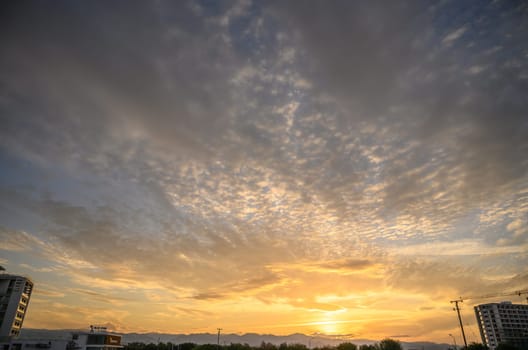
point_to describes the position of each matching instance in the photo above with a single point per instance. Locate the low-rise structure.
(98, 338)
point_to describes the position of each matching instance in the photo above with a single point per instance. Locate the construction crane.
(497, 295)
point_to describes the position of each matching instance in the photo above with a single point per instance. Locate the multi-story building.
(503, 323)
(15, 292)
(97, 339)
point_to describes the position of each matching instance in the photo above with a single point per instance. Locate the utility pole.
(460, 318)
(218, 339)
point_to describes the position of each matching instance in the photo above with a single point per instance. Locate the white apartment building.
(503, 323)
(15, 292)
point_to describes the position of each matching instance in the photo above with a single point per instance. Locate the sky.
(321, 167)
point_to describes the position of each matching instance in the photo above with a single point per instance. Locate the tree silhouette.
(390, 344)
(476, 346)
(347, 346)
(267, 346)
(506, 346)
(367, 347)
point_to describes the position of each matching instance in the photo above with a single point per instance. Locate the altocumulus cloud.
(295, 155)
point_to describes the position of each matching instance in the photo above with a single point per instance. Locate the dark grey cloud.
(76, 77)
(136, 89)
(357, 51)
(432, 75)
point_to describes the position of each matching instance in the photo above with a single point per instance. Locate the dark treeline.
(386, 344)
(479, 346)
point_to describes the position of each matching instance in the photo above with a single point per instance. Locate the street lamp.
(218, 339)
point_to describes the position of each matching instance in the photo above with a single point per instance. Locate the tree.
(135, 346)
(367, 347)
(185, 346)
(206, 347)
(390, 344)
(296, 346)
(347, 346)
(267, 346)
(476, 346)
(506, 346)
(238, 346)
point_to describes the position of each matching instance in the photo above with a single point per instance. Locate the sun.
(328, 327)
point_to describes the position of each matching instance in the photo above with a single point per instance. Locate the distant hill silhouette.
(252, 339)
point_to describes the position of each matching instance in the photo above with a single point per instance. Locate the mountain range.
(252, 339)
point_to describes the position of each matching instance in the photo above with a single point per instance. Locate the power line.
(496, 295)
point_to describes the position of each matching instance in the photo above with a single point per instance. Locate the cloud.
(110, 103)
(106, 298)
(18, 241)
(49, 291)
(448, 39)
(208, 296)
(398, 138)
(352, 264)
(474, 277)
(55, 315)
(382, 85)
(297, 157)
(458, 247)
(37, 269)
(189, 311)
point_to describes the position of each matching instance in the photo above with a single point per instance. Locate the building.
(503, 323)
(15, 292)
(97, 339)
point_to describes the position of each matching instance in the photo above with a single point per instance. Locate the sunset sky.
(334, 167)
